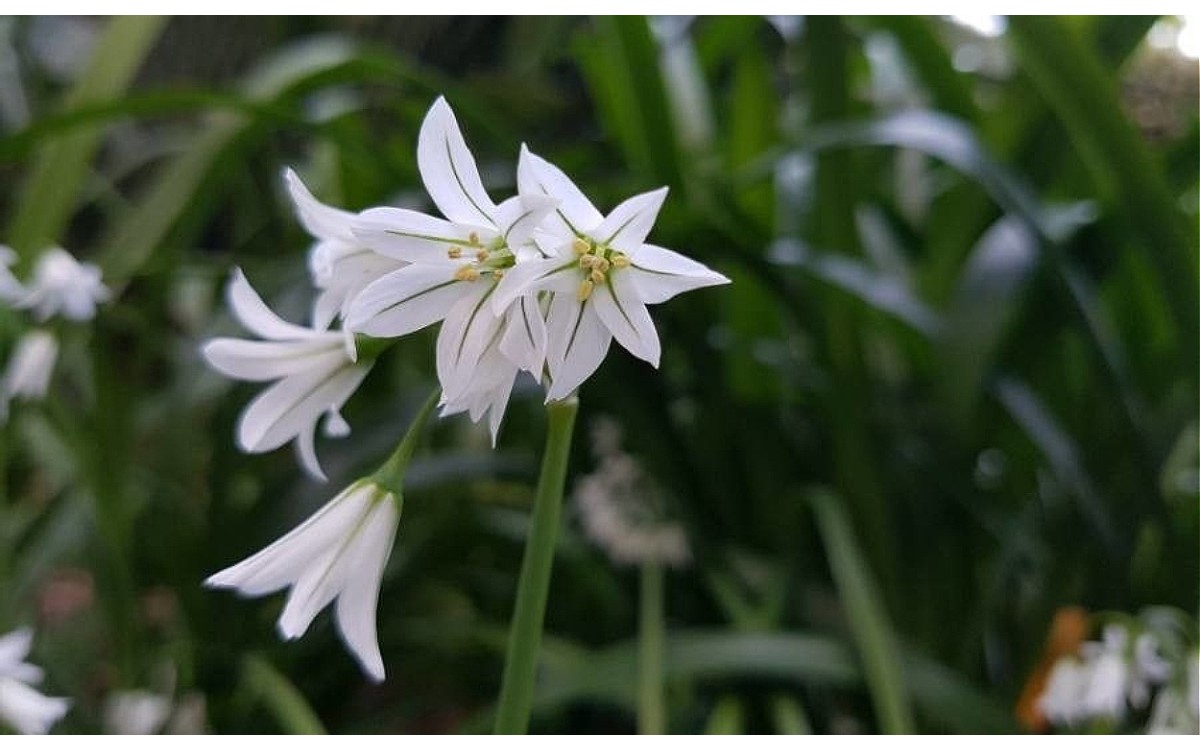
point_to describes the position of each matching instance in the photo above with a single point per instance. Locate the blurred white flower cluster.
(622, 510)
(1131, 670)
(60, 287)
(21, 706)
(541, 282)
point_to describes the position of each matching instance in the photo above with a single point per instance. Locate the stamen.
(481, 256)
(602, 265)
(585, 290)
(620, 260)
(598, 276)
(454, 252)
(473, 238)
(467, 273)
(580, 246)
(497, 273)
(587, 260)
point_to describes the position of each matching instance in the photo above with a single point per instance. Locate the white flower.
(21, 707)
(1176, 709)
(454, 263)
(136, 712)
(340, 266)
(29, 369)
(487, 393)
(338, 553)
(316, 372)
(10, 289)
(63, 286)
(600, 275)
(1062, 700)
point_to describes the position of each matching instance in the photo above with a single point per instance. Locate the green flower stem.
(390, 475)
(520, 666)
(652, 716)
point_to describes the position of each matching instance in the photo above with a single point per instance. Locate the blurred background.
(950, 395)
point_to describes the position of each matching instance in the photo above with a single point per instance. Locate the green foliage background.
(952, 388)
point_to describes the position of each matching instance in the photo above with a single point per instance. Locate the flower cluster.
(60, 287)
(21, 706)
(1120, 672)
(541, 282)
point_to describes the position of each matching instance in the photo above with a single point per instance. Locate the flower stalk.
(652, 715)
(525, 635)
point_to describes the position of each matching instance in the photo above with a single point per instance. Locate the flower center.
(596, 261)
(490, 259)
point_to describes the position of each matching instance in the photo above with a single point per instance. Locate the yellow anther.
(467, 273)
(497, 273)
(481, 256)
(587, 260)
(585, 290)
(581, 246)
(598, 276)
(602, 265)
(454, 252)
(620, 260)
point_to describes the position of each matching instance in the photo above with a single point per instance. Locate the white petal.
(448, 169)
(524, 338)
(267, 360)
(306, 452)
(660, 274)
(358, 600)
(416, 237)
(499, 403)
(256, 316)
(519, 216)
(577, 341)
(27, 710)
(321, 221)
(530, 276)
(279, 413)
(628, 225)
(470, 328)
(285, 560)
(405, 301)
(575, 214)
(625, 315)
(14, 646)
(336, 425)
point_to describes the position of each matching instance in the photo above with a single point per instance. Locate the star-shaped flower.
(600, 274)
(316, 370)
(21, 707)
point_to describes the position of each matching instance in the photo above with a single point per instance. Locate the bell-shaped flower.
(599, 274)
(455, 262)
(338, 553)
(22, 707)
(63, 286)
(27, 375)
(316, 372)
(339, 264)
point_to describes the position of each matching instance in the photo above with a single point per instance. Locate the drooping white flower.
(454, 263)
(21, 707)
(63, 286)
(600, 274)
(338, 553)
(487, 393)
(316, 372)
(27, 375)
(339, 264)
(10, 289)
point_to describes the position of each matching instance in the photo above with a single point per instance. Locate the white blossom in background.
(63, 286)
(1062, 701)
(1176, 710)
(10, 289)
(22, 707)
(30, 366)
(455, 264)
(599, 275)
(315, 371)
(136, 712)
(338, 553)
(339, 264)
(622, 510)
